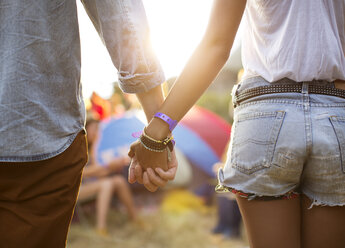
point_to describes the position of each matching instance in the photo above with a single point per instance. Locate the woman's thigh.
(322, 226)
(272, 223)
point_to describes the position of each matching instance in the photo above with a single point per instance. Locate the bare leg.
(104, 189)
(103, 202)
(322, 226)
(272, 224)
(121, 187)
(101, 191)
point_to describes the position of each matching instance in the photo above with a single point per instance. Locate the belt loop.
(305, 88)
(234, 94)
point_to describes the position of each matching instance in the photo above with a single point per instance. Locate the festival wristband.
(172, 123)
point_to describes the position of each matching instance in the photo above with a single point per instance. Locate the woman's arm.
(151, 101)
(94, 170)
(201, 69)
(204, 65)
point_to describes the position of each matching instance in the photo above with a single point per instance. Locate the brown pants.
(37, 199)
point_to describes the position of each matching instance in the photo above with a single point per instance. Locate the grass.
(157, 229)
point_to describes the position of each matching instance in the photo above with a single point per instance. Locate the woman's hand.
(147, 158)
(152, 169)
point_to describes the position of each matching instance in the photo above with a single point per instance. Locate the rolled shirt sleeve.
(123, 28)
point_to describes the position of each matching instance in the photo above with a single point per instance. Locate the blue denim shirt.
(41, 104)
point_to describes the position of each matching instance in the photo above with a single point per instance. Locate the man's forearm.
(151, 101)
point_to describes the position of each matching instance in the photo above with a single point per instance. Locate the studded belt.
(287, 88)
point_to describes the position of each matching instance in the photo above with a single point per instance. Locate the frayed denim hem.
(251, 196)
(316, 201)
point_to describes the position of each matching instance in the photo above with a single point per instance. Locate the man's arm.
(123, 28)
(151, 101)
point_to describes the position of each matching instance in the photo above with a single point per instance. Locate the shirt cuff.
(141, 82)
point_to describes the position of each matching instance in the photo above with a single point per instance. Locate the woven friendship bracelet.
(156, 145)
(152, 144)
(169, 148)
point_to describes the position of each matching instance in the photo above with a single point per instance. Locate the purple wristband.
(172, 123)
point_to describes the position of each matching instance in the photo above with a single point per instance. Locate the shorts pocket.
(254, 140)
(338, 123)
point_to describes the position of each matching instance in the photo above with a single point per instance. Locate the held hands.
(147, 158)
(153, 157)
(152, 169)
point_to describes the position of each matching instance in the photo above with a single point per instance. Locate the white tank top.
(298, 39)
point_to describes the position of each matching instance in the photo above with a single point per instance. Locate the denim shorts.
(287, 142)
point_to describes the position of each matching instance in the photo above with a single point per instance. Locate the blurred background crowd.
(110, 211)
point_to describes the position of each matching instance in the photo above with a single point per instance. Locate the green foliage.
(217, 102)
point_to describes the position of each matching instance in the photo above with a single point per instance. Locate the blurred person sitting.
(229, 216)
(99, 182)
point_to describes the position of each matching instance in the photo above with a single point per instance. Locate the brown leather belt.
(287, 88)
